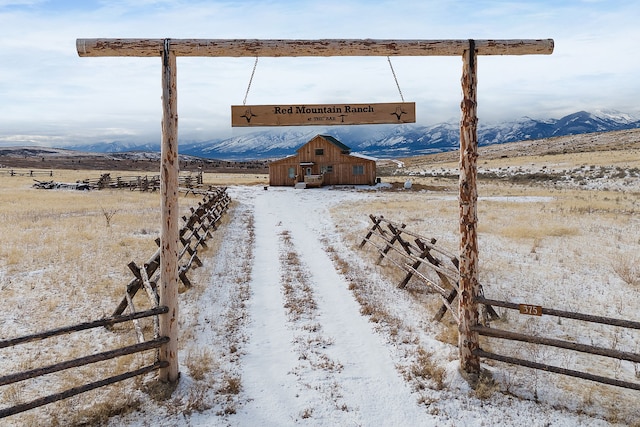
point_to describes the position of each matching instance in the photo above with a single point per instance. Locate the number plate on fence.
(532, 310)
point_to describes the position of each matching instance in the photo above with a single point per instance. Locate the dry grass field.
(63, 260)
(565, 243)
(569, 242)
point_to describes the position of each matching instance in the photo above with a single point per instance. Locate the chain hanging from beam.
(395, 78)
(255, 64)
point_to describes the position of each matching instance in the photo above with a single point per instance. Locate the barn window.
(358, 169)
(319, 151)
(292, 173)
(326, 169)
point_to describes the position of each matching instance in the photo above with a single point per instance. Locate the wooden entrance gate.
(169, 49)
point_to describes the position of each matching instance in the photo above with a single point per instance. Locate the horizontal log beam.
(323, 47)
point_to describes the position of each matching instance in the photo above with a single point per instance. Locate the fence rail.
(557, 343)
(567, 314)
(556, 370)
(82, 361)
(188, 182)
(142, 182)
(198, 228)
(107, 321)
(78, 390)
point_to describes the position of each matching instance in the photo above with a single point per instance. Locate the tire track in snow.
(267, 384)
(316, 371)
(372, 387)
(367, 386)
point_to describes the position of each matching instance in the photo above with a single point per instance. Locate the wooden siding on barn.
(323, 154)
(279, 171)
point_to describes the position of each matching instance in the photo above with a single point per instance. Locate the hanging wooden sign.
(322, 114)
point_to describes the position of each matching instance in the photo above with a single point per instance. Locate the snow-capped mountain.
(387, 140)
(115, 147)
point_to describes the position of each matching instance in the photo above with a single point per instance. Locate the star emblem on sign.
(398, 113)
(248, 115)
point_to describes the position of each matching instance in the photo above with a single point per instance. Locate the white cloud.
(46, 88)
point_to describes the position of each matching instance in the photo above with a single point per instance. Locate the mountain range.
(383, 140)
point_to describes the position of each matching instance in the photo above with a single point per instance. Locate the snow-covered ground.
(289, 323)
(291, 345)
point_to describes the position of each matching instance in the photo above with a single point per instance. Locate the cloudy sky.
(49, 95)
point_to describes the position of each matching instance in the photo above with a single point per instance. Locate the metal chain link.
(255, 64)
(395, 78)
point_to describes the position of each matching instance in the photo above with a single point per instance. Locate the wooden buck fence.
(418, 256)
(188, 183)
(198, 227)
(187, 180)
(22, 172)
(415, 254)
(193, 235)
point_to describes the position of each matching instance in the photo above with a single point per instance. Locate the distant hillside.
(595, 161)
(568, 144)
(382, 141)
(39, 158)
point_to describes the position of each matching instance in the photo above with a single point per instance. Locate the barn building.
(323, 161)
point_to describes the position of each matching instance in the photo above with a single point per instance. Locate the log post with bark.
(468, 196)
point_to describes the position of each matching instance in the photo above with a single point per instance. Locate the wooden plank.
(430, 283)
(136, 323)
(434, 248)
(437, 265)
(134, 285)
(321, 47)
(443, 309)
(405, 245)
(152, 291)
(416, 264)
(390, 243)
(322, 114)
(445, 302)
(376, 226)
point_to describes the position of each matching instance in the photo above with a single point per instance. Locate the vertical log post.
(169, 170)
(468, 197)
